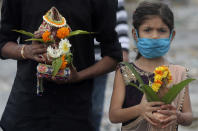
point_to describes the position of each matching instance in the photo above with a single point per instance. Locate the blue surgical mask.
(153, 48)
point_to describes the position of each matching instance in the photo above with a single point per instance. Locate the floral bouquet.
(54, 33)
(158, 89)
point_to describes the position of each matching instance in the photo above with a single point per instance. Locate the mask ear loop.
(171, 35)
(137, 34)
(136, 49)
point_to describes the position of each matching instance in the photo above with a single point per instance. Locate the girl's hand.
(171, 112)
(35, 52)
(147, 109)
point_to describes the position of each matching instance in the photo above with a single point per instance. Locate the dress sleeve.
(10, 19)
(127, 74)
(104, 21)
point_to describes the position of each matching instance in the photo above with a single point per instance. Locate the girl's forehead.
(153, 21)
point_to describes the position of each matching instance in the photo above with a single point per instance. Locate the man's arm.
(9, 48)
(12, 50)
(10, 19)
(105, 65)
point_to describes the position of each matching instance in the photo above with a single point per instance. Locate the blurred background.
(184, 51)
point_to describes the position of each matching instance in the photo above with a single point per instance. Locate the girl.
(153, 32)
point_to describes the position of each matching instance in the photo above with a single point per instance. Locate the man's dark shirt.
(62, 107)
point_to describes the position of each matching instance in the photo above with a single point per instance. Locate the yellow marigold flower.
(160, 68)
(63, 32)
(46, 36)
(165, 74)
(155, 87)
(161, 73)
(170, 79)
(157, 77)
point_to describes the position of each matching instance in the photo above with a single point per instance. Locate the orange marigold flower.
(158, 81)
(158, 72)
(46, 36)
(63, 32)
(64, 65)
(63, 58)
(170, 79)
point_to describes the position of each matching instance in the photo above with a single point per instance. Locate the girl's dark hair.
(146, 9)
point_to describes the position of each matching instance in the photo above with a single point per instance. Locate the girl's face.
(153, 28)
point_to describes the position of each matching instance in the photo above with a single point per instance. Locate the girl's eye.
(162, 30)
(147, 30)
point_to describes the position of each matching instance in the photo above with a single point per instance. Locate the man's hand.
(74, 76)
(35, 52)
(105, 65)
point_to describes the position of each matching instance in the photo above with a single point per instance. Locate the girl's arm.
(185, 117)
(117, 114)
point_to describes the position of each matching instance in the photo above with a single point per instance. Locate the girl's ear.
(134, 35)
(173, 35)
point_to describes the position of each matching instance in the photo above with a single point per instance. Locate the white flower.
(54, 52)
(64, 46)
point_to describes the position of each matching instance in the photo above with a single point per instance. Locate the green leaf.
(40, 40)
(24, 32)
(174, 91)
(150, 94)
(79, 32)
(137, 76)
(132, 84)
(35, 39)
(69, 57)
(56, 64)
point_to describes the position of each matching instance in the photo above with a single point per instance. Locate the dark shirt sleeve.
(10, 19)
(104, 21)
